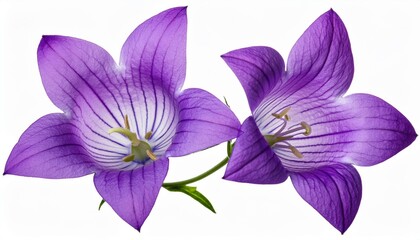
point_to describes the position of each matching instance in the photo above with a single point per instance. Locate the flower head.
(302, 126)
(121, 121)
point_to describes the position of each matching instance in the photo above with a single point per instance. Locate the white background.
(385, 37)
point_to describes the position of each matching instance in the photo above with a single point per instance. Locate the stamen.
(126, 124)
(128, 158)
(282, 114)
(295, 152)
(148, 135)
(280, 138)
(308, 129)
(151, 155)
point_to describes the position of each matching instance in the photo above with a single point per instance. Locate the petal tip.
(181, 10)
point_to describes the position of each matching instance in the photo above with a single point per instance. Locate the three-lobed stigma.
(140, 150)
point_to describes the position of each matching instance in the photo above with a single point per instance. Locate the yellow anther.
(308, 129)
(148, 135)
(126, 124)
(151, 155)
(128, 158)
(282, 114)
(295, 152)
(287, 117)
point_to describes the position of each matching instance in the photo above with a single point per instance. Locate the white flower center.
(140, 150)
(281, 137)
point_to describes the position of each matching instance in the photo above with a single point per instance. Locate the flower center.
(140, 150)
(281, 137)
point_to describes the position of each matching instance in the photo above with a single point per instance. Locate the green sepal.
(192, 192)
(226, 102)
(100, 204)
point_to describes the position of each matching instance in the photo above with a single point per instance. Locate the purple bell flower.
(121, 121)
(302, 126)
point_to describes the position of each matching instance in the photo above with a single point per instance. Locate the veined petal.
(204, 121)
(252, 159)
(82, 79)
(320, 66)
(258, 69)
(50, 148)
(133, 193)
(155, 53)
(359, 129)
(334, 191)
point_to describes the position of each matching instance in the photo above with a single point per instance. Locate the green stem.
(199, 177)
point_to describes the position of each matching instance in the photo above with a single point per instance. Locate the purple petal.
(320, 66)
(252, 159)
(155, 53)
(258, 69)
(133, 193)
(204, 121)
(359, 129)
(82, 79)
(334, 191)
(50, 148)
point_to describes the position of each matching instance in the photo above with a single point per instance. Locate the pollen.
(140, 150)
(283, 137)
(295, 152)
(282, 114)
(126, 123)
(307, 127)
(151, 155)
(148, 135)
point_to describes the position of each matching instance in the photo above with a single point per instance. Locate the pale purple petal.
(258, 69)
(334, 191)
(321, 60)
(154, 111)
(359, 129)
(252, 159)
(320, 67)
(50, 148)
(82, 79)
(204, 121)
(133, 193)
(155, 53)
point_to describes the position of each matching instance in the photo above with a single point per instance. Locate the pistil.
(281, 137)
(140, 150)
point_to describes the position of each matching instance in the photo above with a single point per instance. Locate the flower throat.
(140, 150)
(280, 138)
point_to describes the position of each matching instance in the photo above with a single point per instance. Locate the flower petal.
(321, 60)
(82, 79)
(155, 53)
(258, 69)
(359, 129)
(204, 121)
(133, 193)
(50, 148)
(334, 191)
(252, 159)
(320, 66)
